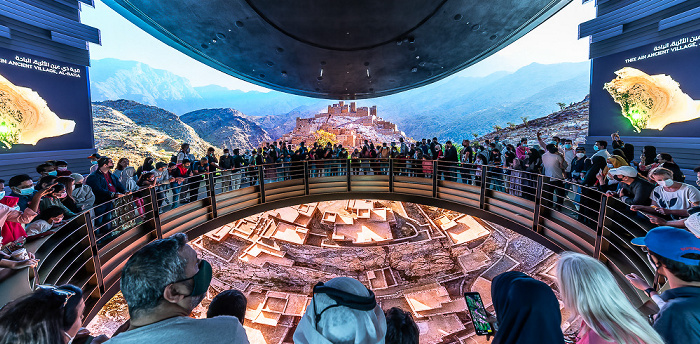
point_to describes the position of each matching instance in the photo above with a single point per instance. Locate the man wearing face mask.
(669, 198)
(46, 169)
(600, 149)
(676, 255)
(22, 187)
(162, 283)
(579, 164)
(632, 190)
(93, 162)
(567, 149)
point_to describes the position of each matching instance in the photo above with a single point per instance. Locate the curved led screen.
(652, 91)
(44, 104)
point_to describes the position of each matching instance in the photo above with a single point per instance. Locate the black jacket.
(98, 183)
(451, 154)
(226, 162)
(638, 193)
(679, 321)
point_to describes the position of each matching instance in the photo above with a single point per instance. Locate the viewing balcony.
(90, 251)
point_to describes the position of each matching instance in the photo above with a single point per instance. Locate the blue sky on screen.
(554, 41)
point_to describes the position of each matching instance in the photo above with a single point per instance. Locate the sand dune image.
(651, 101)
(25, 118)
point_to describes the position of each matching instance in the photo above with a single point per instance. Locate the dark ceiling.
(338, 49)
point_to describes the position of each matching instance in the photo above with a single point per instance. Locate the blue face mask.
(2, 194)
(53, 173)
(27, 192)
(567, 146)
(595, 148)
(93, 162)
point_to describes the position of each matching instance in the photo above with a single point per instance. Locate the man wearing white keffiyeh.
(341, 324)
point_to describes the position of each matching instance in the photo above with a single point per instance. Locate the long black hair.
(40, 317)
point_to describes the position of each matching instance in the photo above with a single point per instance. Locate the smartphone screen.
(478, 313)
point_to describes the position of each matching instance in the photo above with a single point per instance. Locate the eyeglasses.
(66, 294)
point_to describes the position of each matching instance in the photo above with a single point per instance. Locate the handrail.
(524, 202)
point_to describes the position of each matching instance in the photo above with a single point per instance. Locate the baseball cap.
(693, 224)
(671, 243)
(94, 156)
(627, 171)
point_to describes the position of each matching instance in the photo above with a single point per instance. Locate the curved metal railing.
(91, 249)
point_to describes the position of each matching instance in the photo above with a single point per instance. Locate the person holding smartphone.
(527, 312)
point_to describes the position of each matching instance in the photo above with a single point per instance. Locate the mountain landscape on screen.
(454, 108)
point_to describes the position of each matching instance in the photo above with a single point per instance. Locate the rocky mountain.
(451, 108)
(117, 136)
(117, 79)
(151, 117)
(226, 128)
(570, 122)
(461, 106)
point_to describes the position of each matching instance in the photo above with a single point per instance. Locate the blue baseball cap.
(671, 243)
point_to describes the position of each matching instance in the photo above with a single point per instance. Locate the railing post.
(155, 207)
(347, 173)
(435, 178)
(538, 204)
(482, 193)
(212, 194)
(261, 183)
(93, 249)
(599, 227)
(391, 175)
(306, 177)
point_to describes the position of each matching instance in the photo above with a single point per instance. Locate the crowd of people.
(165, 280)
(652, 185)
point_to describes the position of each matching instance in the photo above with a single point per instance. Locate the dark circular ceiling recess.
(341, 49)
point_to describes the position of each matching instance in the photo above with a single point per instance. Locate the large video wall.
(651, 91)
(44, 104)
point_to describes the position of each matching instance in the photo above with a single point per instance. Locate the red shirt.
(110, 186)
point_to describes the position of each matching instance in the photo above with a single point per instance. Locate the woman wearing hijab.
(326, 321)
(526, 309)
(127, 179)
(590, 291)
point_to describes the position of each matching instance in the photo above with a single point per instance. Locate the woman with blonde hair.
(589, 290)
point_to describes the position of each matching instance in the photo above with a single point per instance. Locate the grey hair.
(150, 270)
(590, 290)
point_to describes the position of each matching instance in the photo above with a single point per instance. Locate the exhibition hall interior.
(265, 172)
